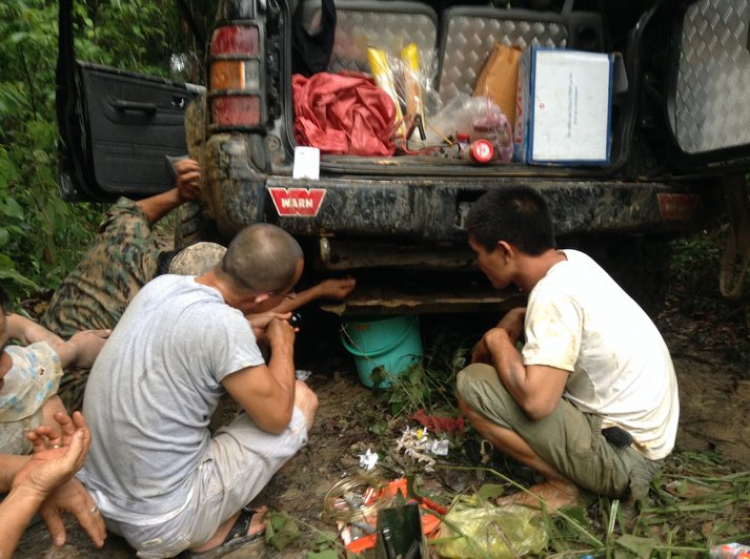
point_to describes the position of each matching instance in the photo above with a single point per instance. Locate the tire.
(638, 263)
(191, 227)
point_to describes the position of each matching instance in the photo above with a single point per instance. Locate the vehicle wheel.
(639, 264)
(191, 227)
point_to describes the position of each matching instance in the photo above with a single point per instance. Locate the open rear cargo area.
(453, 75)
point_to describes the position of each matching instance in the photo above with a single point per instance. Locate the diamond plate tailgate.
(470, 33)
(386, 25)
(713, 78)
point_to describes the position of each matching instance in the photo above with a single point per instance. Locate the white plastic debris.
(302, 375)
(418, 445)
(440, 448)
(368, 460)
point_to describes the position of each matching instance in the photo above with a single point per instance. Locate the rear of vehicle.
(678, 130)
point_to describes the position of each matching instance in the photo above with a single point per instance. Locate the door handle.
(120, 105)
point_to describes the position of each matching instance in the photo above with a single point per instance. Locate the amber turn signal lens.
(228, 74)
(235, 74)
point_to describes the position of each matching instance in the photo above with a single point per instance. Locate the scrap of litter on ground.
(469, 524)
(371, 513)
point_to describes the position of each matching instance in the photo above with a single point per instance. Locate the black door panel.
(132, 121)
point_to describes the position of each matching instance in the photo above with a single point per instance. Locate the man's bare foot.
(554, 494)
(258, 521)
(219, 541)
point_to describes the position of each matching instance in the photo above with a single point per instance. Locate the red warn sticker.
(303, 202)
(676, 206)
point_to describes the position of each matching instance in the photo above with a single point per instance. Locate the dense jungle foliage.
(41, 237)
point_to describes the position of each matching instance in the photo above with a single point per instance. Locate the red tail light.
(237, 76)
(236, 39)
(237, 111)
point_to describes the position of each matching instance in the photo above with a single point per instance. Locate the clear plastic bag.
(407, 75)
(488, 530)
(477, 118)
(455, 118)
(494, 126)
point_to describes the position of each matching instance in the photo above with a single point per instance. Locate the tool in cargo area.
(383, 77)
(413, 90)
(416, 124)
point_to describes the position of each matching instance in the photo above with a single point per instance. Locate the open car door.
(708, 115)
(708, 86)
(116, 127)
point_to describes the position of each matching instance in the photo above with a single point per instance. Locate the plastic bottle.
(732, 550)
(494, 126)
(479, 151)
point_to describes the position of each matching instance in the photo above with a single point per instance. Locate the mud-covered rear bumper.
(434, 211)
(426, 210)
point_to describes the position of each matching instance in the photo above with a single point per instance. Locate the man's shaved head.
(262, 257)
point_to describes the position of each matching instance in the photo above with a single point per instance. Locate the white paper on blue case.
(569, 118)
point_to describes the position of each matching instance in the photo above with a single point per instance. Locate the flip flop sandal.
(236, 538)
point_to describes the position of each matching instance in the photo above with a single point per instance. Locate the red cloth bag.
(342, 114)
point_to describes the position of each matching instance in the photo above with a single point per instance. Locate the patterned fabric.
(123, 259)
(33, 379)
(197, 259)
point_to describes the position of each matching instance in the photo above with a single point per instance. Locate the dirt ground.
(714, 391)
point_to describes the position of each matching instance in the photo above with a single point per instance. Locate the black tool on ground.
(400, 533)
(296, 320)
(617, 436)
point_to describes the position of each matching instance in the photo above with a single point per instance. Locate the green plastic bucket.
(391, 344)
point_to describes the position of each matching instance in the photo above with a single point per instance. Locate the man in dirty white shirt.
(590, 401)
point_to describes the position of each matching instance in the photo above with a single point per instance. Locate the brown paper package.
(499, 77)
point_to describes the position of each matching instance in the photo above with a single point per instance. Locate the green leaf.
(642, 547)
(324, 540)
(491, 491)
(12, 209)
(281, 530)
(9, 272)
(379, 428)
(41, 156)
(18, 37)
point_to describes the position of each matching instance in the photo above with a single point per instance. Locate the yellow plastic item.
(487, 528)
(412, 83)
(381, 73)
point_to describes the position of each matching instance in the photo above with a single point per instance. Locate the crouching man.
(160, 478)
(591, 400)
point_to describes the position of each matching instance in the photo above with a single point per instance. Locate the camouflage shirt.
(123, 259)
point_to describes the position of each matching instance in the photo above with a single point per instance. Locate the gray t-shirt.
(151, 394)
